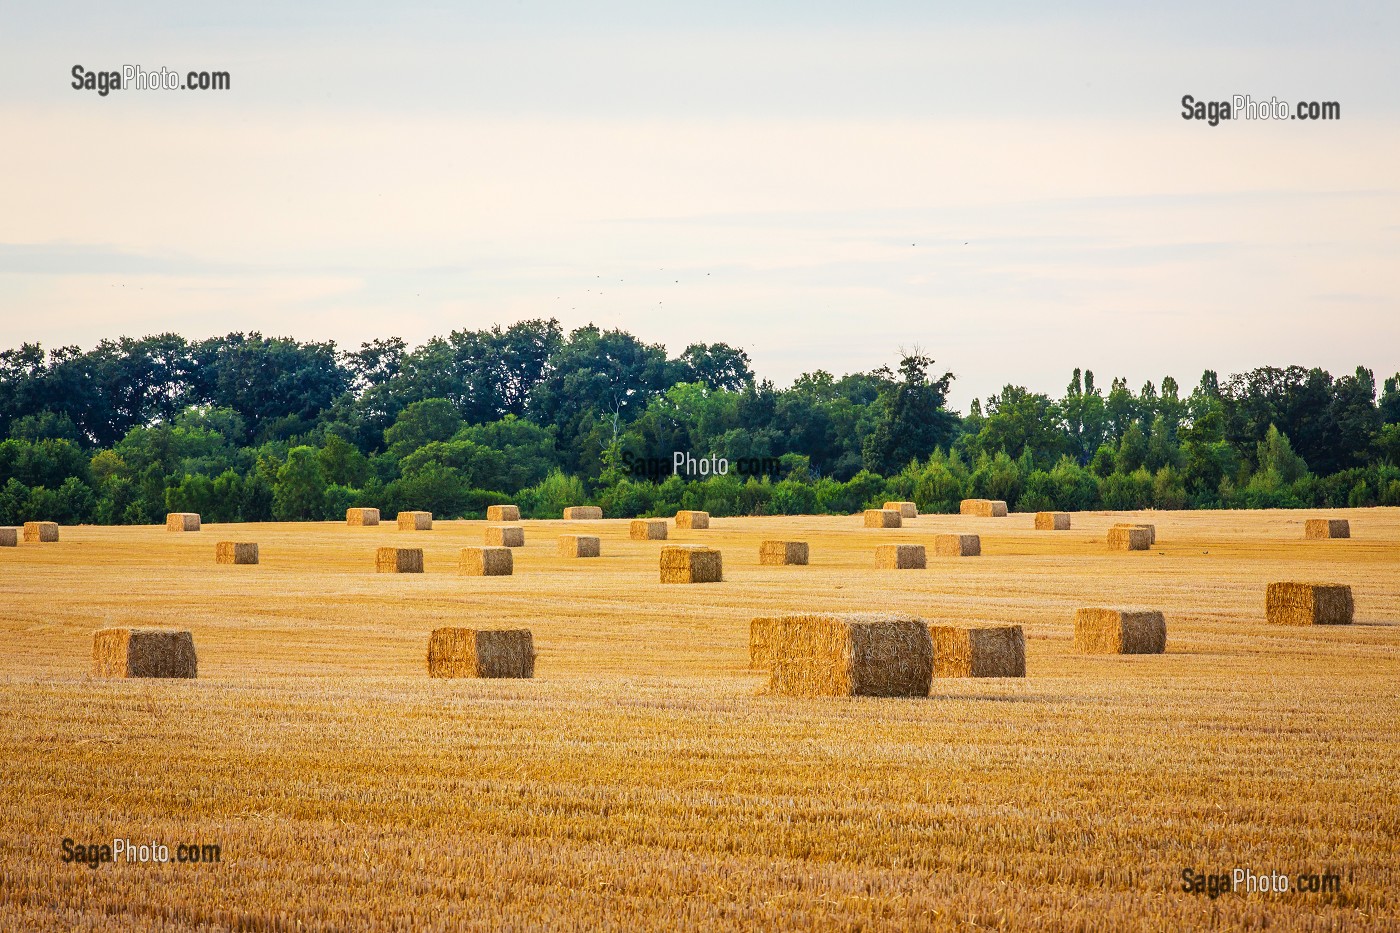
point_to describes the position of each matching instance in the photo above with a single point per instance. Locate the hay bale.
(235, 552)
(1150, 529)
(580, 546)
(9, 537)
(583, 513)
(761, 635)
(505, 535)
(883, 518)
(850, 655)
(983, 508)
(957, 545)
(645, 529)
(415, 521)
(143, 652)
(1327, 528)
(905, 509)
(900, 557)
(777, 553)
(467, 652)
(1119, 631)
(691, 564)
(399, 560)
(995, 651)
(182, 521)
(503, 513)
(486, 562)
(40, 532)
(688, 518)
(1052, 521)
(1129, 538)
(1291, 603)
(361, 517)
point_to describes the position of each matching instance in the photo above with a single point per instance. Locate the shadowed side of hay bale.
(358, 518)
(995, 651)
(957, 545)
(503, 513)
(398, 560)
(466, 652)
(688, 518)
(850, 655)
(645, 529)
(1327, 528)
(762, 631)
(583, 513)
(182, 521)
(1292, 603)
(415, 521)
(1052, 521)
(9, 537)
(235, 552)
(691, 565)
(1126, 538)
(127, 652)
(1119, 631)
(580, 546)
(778, 553)
(883, 518)
(905, 509)
(40, 532)
(900, 557)
(505, 536)
(486, 562)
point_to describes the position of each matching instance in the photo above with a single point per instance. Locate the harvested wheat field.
(642, 779)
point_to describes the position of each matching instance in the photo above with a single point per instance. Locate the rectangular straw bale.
(580, 546)
(399, 560)
(900, 557)
(688, 518)
(1292, 603)
(1129, 538)
(487, 562)
(994, 651)
(415, 521)
(905, 509)
(1150, 529)
(235, 552)
(583, 513)
(850, 655)
(1119, 631)
(182, 521)
(883, 518)
(775, 553)
(467, 652)
(645, 529)
(983, 508)
(503, 513)
(1052, 521)
(505, 535)
(143, 652)
(361, 517)
(9, 537)
(1327, 528)
(691, 565)
(761, 634)
(40, 532)
(957, 545)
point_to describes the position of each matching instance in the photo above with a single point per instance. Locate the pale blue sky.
(1011, 189)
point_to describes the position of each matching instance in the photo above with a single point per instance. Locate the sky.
(1010, 189)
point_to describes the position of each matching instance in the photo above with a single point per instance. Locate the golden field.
(641, 779)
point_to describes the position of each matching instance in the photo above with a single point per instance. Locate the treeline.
(248, 428)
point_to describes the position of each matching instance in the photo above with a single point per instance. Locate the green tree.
(300, 492)
(914, 421)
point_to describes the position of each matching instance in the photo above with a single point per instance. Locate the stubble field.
(642, 780)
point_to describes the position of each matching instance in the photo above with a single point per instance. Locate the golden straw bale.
(40, 532)
(1327, 528)
(687, 518)
(1150, 529)
(644, 529)
(849, 655)
(883, 518)
(905, 509)
(467, 652)
(143, 652)
(957, 545)
(361, 517)
(583, 513)
(399, 560)
(761, 634)
(182, 521)
(503, 513)
(775, 553)
(487, 562)
(983, 508)
(1129, 538)
(415, 521)
(1119, 631)
(1052, 521)
(1292, 603)
(9, 537)
(235, 552)
(900, 557)
(580, 546)
(994, 651)
(691, 564)
(505, 535)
